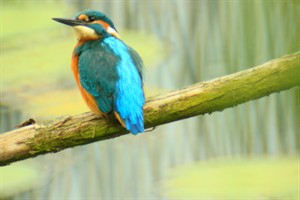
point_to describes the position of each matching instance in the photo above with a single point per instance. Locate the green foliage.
(17, 178)
(208, 39)
(239, 178)
(22, 18)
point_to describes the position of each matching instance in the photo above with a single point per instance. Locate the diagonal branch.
(206, 97)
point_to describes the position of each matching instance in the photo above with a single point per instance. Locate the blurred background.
(246, 152)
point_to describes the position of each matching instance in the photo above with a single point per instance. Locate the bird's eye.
(92, 19)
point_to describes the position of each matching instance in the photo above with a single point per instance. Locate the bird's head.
(90, 25)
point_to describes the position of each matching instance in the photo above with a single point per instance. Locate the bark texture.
(205, 97)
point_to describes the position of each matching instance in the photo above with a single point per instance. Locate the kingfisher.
(108, 73)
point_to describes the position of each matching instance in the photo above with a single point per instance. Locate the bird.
(108, 72)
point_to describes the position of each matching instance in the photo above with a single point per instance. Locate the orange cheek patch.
(104, 24)
(107, 27)
(83, 17)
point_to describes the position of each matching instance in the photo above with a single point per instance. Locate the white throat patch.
(85, 33)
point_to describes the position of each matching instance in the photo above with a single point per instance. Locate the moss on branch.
(206, 97)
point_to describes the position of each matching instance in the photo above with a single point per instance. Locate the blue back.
(112, 73)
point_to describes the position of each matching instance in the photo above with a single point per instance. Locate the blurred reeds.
(202, 40)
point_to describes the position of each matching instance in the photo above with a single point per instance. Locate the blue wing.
(112, 73)
(98, 74)
(129, 95)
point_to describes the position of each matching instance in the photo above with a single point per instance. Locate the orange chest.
(89, 99)
(74, 68)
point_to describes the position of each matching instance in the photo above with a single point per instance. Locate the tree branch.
(206, 97)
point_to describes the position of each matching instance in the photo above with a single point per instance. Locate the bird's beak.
(83, 32)
(70, 22)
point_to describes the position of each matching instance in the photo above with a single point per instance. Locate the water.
(204, 40)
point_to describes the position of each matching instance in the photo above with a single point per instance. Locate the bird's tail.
(135, 125)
